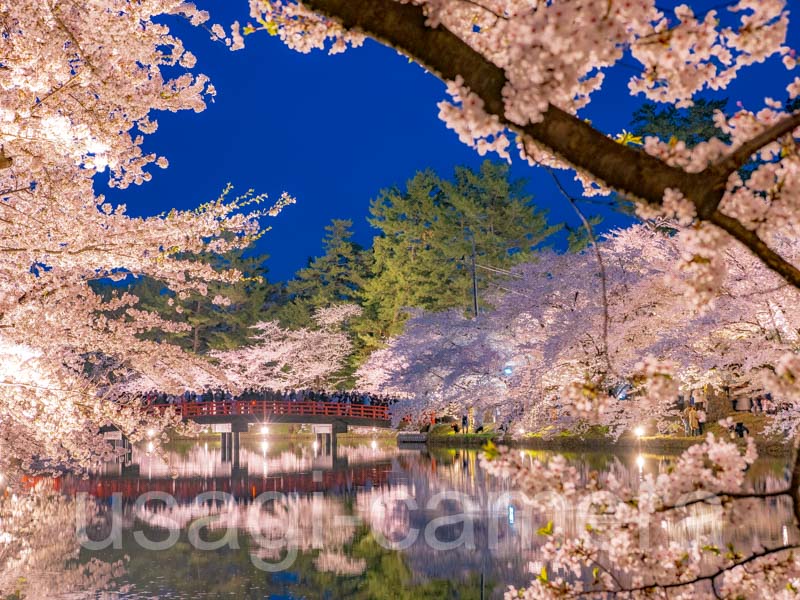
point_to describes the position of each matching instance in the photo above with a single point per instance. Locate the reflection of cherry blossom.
(339, 563)
(39, 547)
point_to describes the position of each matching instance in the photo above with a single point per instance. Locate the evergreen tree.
(690, 125)
(335, 277)
(431, 232)
(213, 326)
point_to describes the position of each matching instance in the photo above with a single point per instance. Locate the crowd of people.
(159, 398)
(762, 404)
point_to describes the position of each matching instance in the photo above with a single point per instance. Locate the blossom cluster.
(551, 354)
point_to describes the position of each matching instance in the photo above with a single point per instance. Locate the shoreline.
(650, 444)
(654, 444)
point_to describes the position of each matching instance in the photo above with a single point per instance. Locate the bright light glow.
(151, 433)
(508, 370)
(640, 462)
(315, 445)
(264, 447)
(522, 454)
(639, 431)
(374, 444)
(264, 430)
(150, 446)
(511, 514)
(521, 431)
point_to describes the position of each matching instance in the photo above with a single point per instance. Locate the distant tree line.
(429, 234)
(435, 239)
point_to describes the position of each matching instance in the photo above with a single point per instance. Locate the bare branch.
(601, 265)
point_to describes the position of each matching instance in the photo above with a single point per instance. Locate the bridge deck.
(276, 411)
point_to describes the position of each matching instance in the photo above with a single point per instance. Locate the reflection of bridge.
(241, 485)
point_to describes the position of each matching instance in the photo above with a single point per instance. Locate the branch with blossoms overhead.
(79, 86)
(513, 74)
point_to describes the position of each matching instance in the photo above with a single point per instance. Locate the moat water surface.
(284, 521)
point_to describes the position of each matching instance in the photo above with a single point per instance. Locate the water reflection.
(370, 521)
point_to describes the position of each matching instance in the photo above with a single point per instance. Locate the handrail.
(266, 408)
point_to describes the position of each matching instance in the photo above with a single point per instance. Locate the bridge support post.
(226, 443)
(235, 449)
(326, 437)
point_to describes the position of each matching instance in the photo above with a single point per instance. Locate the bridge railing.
(266, 408)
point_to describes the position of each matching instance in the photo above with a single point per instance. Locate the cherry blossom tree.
(282, 358)
(546, 356)
(626, 550)
(78, 86)
(516, 68)
(554, 344)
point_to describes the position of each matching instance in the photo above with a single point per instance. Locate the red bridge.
(245, 412)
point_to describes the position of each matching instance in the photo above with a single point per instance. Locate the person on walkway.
(694, 424)
(701, 420)
(687, 422)
(741, 430)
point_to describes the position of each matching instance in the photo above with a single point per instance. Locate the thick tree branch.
(757, 246)
(742, 154)
(402, 26)
(627, 170)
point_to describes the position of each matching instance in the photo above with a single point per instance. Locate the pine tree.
(335, 277)
(690, 125)
(429, 234)
(213, 326)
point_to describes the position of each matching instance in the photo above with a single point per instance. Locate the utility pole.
(474, 280)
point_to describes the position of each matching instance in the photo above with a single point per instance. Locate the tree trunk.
(196, 330)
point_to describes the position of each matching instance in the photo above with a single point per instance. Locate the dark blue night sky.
(333, 131)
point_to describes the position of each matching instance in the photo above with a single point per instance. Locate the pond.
(284, 520)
